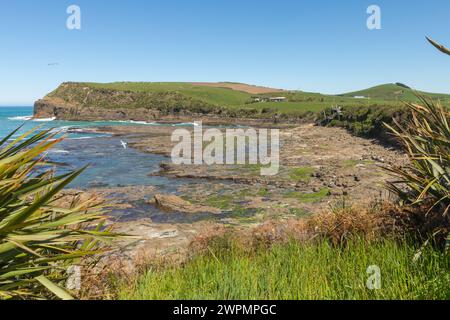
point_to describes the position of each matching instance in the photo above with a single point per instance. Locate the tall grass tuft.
(296, 270)
(38, 238)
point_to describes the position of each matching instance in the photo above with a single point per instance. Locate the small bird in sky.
(124, 144)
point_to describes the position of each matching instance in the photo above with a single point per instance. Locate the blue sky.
(321, 46)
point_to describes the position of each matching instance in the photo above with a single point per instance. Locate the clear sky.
(312, 45)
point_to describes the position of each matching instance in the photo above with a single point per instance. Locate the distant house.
(269, 99)
(359, 97)
(277, 99)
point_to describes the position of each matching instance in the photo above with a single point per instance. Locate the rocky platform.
(320, 167)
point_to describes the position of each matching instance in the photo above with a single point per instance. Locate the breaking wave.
(21, 118)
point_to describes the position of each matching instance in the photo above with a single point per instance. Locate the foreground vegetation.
(426, 141)
(425, 138)
(40, 239)
(296, 270)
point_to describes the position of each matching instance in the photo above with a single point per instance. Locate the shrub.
(426, 140)
(365, 121)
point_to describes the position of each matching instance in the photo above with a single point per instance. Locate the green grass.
(224, 202)
(217, 96)
(297, 271)
(312, 197)
(263, 192)
(301, 173)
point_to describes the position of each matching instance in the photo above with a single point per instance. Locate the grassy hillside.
(149, 94)
(249, 88)
(216, 96)
(397, 92)
(361, 115)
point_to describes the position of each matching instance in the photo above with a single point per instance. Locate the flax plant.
(39, 239)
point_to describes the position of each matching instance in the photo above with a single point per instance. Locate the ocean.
(12, 117)
(110, 165)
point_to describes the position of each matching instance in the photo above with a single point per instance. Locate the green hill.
(396, 92)
(386, 94)
(170, 96)
(212, 95)
(296, 101)
(153, 100)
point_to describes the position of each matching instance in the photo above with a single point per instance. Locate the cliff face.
(49, 108)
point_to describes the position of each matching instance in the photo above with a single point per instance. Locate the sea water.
(109, 164)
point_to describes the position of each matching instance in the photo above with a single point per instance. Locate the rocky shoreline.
(320, 167)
